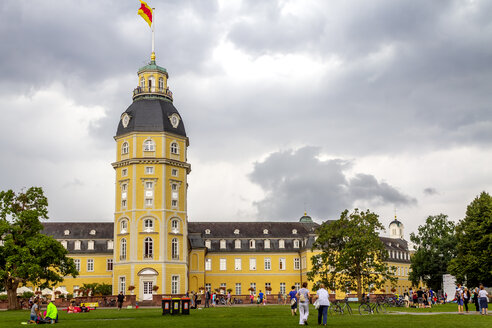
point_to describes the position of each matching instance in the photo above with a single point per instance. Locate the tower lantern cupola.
(396, 229)
(152, 82)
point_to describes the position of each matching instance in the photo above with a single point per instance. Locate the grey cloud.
(430, 191)
(297, 179)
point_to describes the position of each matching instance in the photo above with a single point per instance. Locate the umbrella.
(23, 289)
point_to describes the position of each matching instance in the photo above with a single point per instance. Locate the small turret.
(396, 229)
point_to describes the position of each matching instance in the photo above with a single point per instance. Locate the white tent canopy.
(23, 289)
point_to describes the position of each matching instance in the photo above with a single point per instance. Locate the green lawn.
(248, 316)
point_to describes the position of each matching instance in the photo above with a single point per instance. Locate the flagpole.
(153, 42)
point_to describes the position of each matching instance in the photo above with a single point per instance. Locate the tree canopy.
(473, 263)
(352, 256)
(27, 255)
(435, 247)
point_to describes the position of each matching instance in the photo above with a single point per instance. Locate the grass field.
(251, 316)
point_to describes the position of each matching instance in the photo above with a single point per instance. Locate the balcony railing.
(148, 256)
(139, 91)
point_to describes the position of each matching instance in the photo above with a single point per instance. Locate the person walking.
(293, 301)
(323, 301)
(483, 298)
(260, 298)
(207, 299)
(303, 297)
(120, 300)
(459, 298)
(475, 300)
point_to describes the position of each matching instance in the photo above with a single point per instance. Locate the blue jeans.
(322, 312)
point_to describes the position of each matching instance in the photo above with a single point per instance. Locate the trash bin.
(185, 306)
(166, 305)
(176, 304)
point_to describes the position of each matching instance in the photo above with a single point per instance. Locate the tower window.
(174, 203)
(124, 226)
(149, 225)
(148, 248)
(149, 145)
(125, 148)
(174, 172)
(174, 187)
(161, 84)
(175, 226)
(123, 249)
(174, 148)
(149, 170)
(124, 172)
(142, 82)
(123, 203)
(175, 249)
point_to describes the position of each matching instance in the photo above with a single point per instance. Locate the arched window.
(294, 231)
(174, 148)
(175, 226)
(265, 231)
(161, 84)
(125, 148)
(77, 245)
(281, 243)
(207, 231)
(236, 231)
(142, 82)
(124, 226)
(149, 145)
(148, 248)
(149, 225)
(296, 243)
(175, 249)
(151, 83)
(123, 249)
(237, 243)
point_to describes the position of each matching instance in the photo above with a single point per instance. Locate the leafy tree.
(89, 289)
(473, 263)
(352, 255)
(435, 247)
(104, 289)
(26, 255)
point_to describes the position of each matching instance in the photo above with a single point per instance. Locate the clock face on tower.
(174, 119)
(125, 119)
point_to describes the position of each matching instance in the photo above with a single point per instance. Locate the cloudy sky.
(289, 105)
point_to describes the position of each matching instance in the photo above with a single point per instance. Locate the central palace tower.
(150, 219)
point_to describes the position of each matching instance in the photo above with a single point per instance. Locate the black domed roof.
(151, 115)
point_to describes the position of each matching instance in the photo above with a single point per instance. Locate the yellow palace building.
(151, 242)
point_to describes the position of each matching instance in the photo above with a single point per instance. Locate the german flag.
(146, 12)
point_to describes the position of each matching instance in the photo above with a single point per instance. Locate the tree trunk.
(359, 288)
(12, 296)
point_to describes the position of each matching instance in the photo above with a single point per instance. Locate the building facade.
(151, 245)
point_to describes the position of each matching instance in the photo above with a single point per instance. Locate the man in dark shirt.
(121, 298)
(420, 297)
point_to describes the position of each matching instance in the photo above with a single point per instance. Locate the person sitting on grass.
(71, 308)
(35, 313)
(51, 312)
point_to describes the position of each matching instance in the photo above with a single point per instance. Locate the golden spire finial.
(152, 56)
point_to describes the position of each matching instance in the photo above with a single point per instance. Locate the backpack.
(302, 298)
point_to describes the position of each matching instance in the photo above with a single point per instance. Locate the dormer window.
(281, 243)
(237, 244)
(110, 244)
(149, 145)
(294, 231)
(93, 232)
(66, 232)
(222, 244)
(208, 244)
(76, 245)
(236, 232)
(64, 244)
(90, 245)
(265, 231)
(296, 243)
(148, 225)
(267, 243)
(252, 243)
(207, 231)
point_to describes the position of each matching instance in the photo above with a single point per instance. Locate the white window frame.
(237, 244)
(175, 284)
(297, 263)
(77, 264)
(174, 172)
(124, 172)
(222, 264)
(149, 170)
(109, 264)
(268, 264)
(125, 148)
(252, 243)
(76, 245)
(281, 263)
(90, 245)
(252, 264)
(267, 243)
(148, 248)
(208, 264)
(174, 203)
(148, 225)
(296, 243)
(122, 284)
(175, 249)
(281, 243)
(149, 145)
(208, 244)
(238, 288)
(268, 287)
(223, 244)
(237, 264)
(124, 226)
(175, 226)
(110, 245)
(252, 285)
(282, 288)
(174, 148)
(123, 249)
(90, 265)
(64, 244)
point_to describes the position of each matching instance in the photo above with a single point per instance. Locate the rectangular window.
(208, 287)
(208, 264)
(223, 265)
(281, 243)
(76, 245)
(75, 287)
(174, 203)
(282, 288)
(110, 244)
(77, 264)
(90, 265)
(149, 170)
(208, 244)
(175, 285)
(238, 288)
(109, 265)
(297, 285)
(268, 263)
(281, 264)
(268, 288)
(223, 287)
(237, 264)
(222, 244)
(149, 185)
(124, 172)
(90, 245)
(252, 288)
(252, 264)
(149, 201)
(297, 263)
(267, 243)
(304, 262)
(123, 203)
(174, 172)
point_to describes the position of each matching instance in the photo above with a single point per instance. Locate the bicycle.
(345, 306)
(334, 308)
(368, 308)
